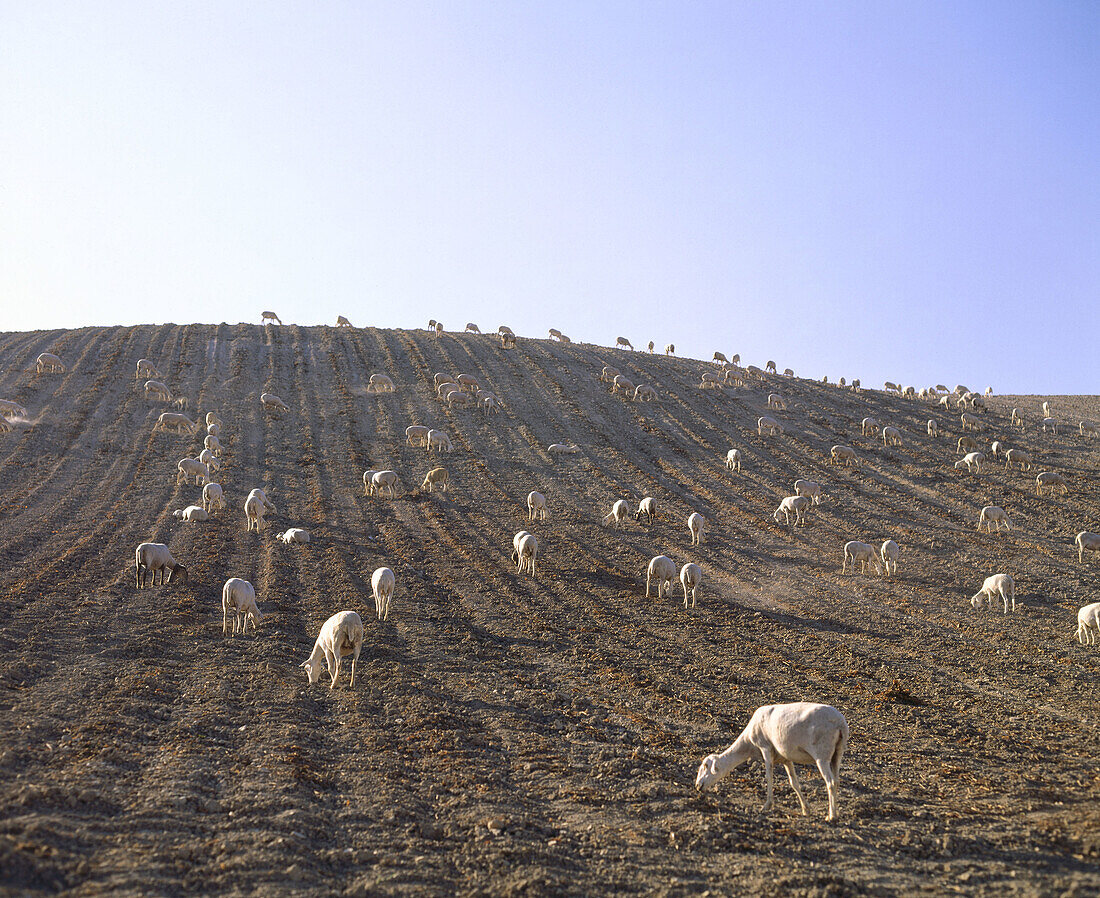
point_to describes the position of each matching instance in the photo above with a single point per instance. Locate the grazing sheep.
(789, 372)
(933, 428)
(1052, 424)
(891, 436)
(795, 733)
(889, 554)
(507, 341)
(385, 482)
(48, 362)
(623, 343)
(154, 389)
(770, 366)
(999, 584)
(868, 427)
(1046, 408)
(845, 454)
(733, 376)
(341, 321)
(1087, 427)
(795, 505)
(191, 514)
(435, 477)
(469, 382)
(691, 578)
(212, 445)
(273, 403)
(993, 515)
(889, 387)
(945, 401)
(457, 397)
(810, 489)
(153, 557)
(609, 374)
(490, 405)
(856, 388)
(735, 359)
(382, 583)
(294, 535)
(1050, 479)
(181, 403)
(1020, 457)
(239, 597)
(209, 459)
(255, 507)
(472, 328)
(768, 426)
(11, 409)
(145, 368)
(562, 449)
(618, 514)
(777, 402)
(416, 435)
(647, 507)
(341, 635)
(651, 346)
(443, 390)
(525, 551)
(863, 553)
(187, 468)
(1086, 542)
(733, 459)
(368, 476)
(670, 349)
(696, 527)
(996, 447)
(441, 378)
(380, 383)
(212, 418)
(972, 461)
(645, 393)
(967, 443)
(969, 422)
(709, 379)
(439, 327)
(439, 441)
(212, 497)
(719, 358)
(554, 333)
(214, 430)
(505, 329)
(661, 571)
(1017, 419)
(1088, 624)
(536, 506)
(269, 316)
(623, 384)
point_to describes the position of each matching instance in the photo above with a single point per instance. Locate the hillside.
(144, 753)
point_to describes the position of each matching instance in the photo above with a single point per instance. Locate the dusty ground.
(141, 753)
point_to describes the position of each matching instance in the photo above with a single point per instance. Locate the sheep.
(696, 527)
(212, 418)
(777, 402)
(999, 584)
(564, 338)
(384, 482)
(191, 514)
(48, 362)
(154, 389)
(341, 321)
(181, 403)
(960, 389)
(1088, 624)
(941, 388)
(380, 383)
(1017, 419)
(11, 409)
(719, 358)
(416, 434)
(996, 447)
(213, 497)
(623, 384)
(909, 393)
(863, 553)
(536, 506)
(431, 324)
(933, 428)
(457, 397)
(993, 515)
(651, 346)
(554, 333)
(5, 425)
(269, 316)
(446, 387)
(795, 733)
(294, 535)
(441, 378)
(525, 551)
(472, 328)
(1085, 427)
(255, 507)
(608, 374)
(889, 554)
(273, 403)
(708, 379)
(439, 441)
(153, 557)
(1022, 458)
(890, 387)
(213, 430)
(733, 376)
(469, 382)
(735, 359)
(1052, 479)
(367, 478)
(969, 422)
(733, 459)
(972, 461)
(1052, 424)
(209, 459)
(977, 403)
(691, 578)
(507, 341)
(647, 507)
(670, 349)
(490, 405)
(796, 505)
(1086, 542)
(868, 427)
(945, 401)
(145, 368)
(341, 635)
(770, 366)
(845, 454)
(382, 583)
(810, 489)
(435, 477)
(439, 327)
(618, 514)
(769, 426)
(562, 449)
(186, 468)
(856, 388)
(239, 597)
(505, 329)
(891, 436)
(622, 342)
(1046, 408)
(661, 571)
(967, 443)
(212, 444)
(645, 393)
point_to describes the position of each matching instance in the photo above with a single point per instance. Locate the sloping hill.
(143, 753)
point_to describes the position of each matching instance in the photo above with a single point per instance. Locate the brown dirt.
(144, 754)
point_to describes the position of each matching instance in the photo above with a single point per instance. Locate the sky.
(903, 191)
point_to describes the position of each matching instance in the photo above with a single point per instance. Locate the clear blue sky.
(887, 190)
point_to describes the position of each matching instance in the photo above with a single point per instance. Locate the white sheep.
(151, 558)
(788, 734)
(661, 571)
(769, 426)
(777, 402)
(622, 384)
(382, 584)
(341, 321)
(795, 505)
(770, 366)
(536, 506)
(622, 342)
(811, 489)
(209, 459)
(645, 393)
(691, 578)
(472, 328)
(696, 527)
(213, 498)
(1086, 542)
(439, 441)
(719, 358)
(619, 512)
(294, 535)
(380, 383)
(969, 422)
(490, 404)
(255, 507)
(891, 436)
(1052, 424)
(505, 329)
(385, 482)
(145, 368)
(341, 635)
(933, 428)
(212, 418)
(417, 435)
(11, 409)
(175, 421)
(733, 376)
(48, 362)
(1022, 458)
(213, 444)
(670, 349)
(186, 468)
(966, 442)
(789, 372)
(889, 555)
(709, 379)
(993, 515)
(562, 449)
(180, 402)
(269, 316)
(999, 584)
(733, 459)
(845, 454)
(863, 553)
(525, 551)
(1046, 408)
(868, 427)
(554, 333)
(651, 345)
(647, 507)
(273, 403)
(1051, 479)
(609, 373)
(1088, 624)
(191, 514)
(1085, 428)
(996, 447)
(1017, 419)
(469, 382)
(435, 477)
(239, 597)
(154, 389)
(972, 461)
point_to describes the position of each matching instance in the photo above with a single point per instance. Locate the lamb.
(255, 507)
(993, 515)
(619, 511)
(622, 342)
(776, 401)
(341, 635)
(967, 443)
(435, 477)
(770, 366)
(691, 578)
(191, 514)
(472, 328)
(999, 584)
(795, 733)
(696, 526)
(11, 409)
(1020, 457)
(145, 368)
(380, 383)
(273, 403)
(294, 535)
(645, 393)
(845, 454)
(863, 553)
(239, 597)
(186, 468)
(382, 583)
(661, 571)
(933, 428)
(153, 557)
(608, 374)
(1086, 542)
(269, 316)
(154, 389)
(416, 435)
(385, 482)
(971, 461)
(769, 426)
(1088, 624)
(1051, 479)
(670, 349)
(209, 459)
(891, 436)
(48, 362)
(1085, 427)
(795, 505)
(969, 422)
(341, 321)
(1052, 424)
(212, 497)
(562, 449)
(439, 441)
(889, 554)
(808, 488)
(525, 551)
(733, 459)
(536, 506)
(647, 507)
(212, 444)
(868, 427)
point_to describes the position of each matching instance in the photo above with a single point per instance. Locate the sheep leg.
(354, 661)
(647, 586)
(769, 779)
(792, 775)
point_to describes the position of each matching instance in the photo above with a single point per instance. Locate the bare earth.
(510, 735)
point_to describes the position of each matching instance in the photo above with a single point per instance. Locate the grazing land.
(513, 735)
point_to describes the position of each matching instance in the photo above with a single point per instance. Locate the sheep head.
(313, 670)
(178, 570)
